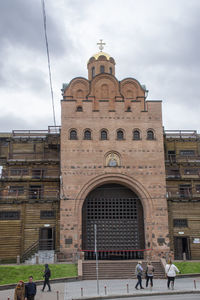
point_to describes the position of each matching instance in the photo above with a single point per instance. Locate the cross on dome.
(101, 45)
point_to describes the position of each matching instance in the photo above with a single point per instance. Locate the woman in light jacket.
(171, 270)
(149, 274)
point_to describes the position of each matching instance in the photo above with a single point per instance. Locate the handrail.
(173, 158)
(30, 251)
(181, 134)
(36, 132)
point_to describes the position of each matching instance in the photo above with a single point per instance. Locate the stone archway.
(118, 214)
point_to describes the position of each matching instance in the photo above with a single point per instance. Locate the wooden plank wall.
(18, 235)
(191, 212)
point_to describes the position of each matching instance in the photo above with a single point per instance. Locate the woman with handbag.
(171, 270)
(149, 274)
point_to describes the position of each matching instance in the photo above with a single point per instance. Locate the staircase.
(117, 269)
(44, 257)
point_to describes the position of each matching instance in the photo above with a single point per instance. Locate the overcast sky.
(155, 41)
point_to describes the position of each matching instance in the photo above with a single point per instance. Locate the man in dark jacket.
(30, 289)
(47, 275)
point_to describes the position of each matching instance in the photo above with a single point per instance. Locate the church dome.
(101, 56)
(101, 53)
(100, 62)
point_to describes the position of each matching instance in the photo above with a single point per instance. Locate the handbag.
(167, 271)
(146, 274)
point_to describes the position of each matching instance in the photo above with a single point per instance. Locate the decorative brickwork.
(89, 163)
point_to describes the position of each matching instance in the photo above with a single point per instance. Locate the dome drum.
(100, 63)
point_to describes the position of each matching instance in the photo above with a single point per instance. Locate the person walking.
(30, 289)
(47, 275)
(19, 291)
(171, 270)
(138, 273)
(149, 274)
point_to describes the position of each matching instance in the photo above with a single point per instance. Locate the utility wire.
(48, 58)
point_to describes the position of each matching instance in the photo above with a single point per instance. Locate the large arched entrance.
(118, 213)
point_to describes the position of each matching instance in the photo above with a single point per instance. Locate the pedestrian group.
(170, 272)
(29, 290)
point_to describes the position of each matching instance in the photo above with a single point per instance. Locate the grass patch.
(188, 267)
(12, 274)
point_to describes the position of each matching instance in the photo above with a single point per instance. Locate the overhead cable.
(48, 58)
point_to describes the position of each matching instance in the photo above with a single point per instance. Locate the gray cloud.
(9, 122)
(156, 42)
(21, 25)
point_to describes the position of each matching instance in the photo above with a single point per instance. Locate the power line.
(48, 59)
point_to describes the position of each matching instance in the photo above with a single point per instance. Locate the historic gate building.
(112, 166)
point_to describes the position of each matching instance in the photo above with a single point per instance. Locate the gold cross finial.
(101, 44)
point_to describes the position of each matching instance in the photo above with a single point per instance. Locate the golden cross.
(101, 44)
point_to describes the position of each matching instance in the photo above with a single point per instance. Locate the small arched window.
(104, 135)
(150, 135)
(128, 108)
(79, 108)
(102, 69)
(93, 72)
(120, 135)
(73, 135)
(110, 70)
(87, 135)
(136, 135)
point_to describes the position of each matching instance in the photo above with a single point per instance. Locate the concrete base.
(42, 257)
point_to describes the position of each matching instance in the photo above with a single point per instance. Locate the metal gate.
(118, 214)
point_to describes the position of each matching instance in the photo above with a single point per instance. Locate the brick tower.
(112, 166)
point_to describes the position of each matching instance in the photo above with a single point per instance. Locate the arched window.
(120, 135)
(150, 135)
(102, 69)
(110, 70)
(128, 108)
(79, 108)
(73, 135)
(136, 135)
(104, 135)
(87, 135)
(93, 72)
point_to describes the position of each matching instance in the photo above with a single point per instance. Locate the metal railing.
(22, 156)
(30, 193)
(186, 134)
(36, 133)
(114, 254)
(46, 244)
(187, 193)
(30, 251)
(173, 158)
(173, 176)
(30, 173)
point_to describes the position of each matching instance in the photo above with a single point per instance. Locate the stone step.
(117, 269)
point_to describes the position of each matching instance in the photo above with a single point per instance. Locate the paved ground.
(72, 290)
(166, 297)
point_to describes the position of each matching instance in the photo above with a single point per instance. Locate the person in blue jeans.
(138, 273)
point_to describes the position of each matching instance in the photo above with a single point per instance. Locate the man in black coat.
(30, 289)
(47, 275)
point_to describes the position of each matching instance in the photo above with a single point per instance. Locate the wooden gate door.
(181, 245)
(47, 239)
(118, 214)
